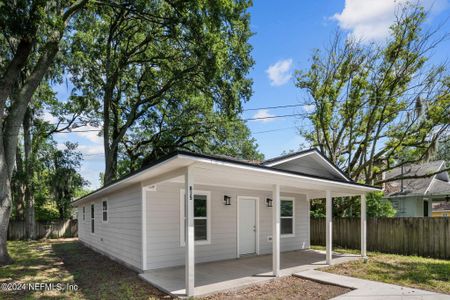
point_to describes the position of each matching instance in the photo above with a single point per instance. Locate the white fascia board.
(280, 173)
(122, 183)
(134, 178)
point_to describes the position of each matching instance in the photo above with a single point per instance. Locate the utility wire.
(274, 107)
(266, 107)
(247, 119)
(273, 130)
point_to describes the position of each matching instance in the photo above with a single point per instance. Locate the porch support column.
(189, 229)
(329, 227)
(276, 230)
(363, 226)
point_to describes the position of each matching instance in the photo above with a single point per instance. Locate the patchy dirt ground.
(284, 288)
(69, 262)
(98, 277)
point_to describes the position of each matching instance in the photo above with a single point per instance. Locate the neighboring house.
(233, 208)
(442, 209)
(413, 197)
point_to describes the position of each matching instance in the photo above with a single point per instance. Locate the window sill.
(287, 235)
(198, 243)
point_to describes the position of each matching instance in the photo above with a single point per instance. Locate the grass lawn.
(98, 277)
(411, 271)
(68, 261)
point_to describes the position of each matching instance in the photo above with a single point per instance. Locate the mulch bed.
(290, 287)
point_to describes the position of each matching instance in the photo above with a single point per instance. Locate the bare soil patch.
(290, 287)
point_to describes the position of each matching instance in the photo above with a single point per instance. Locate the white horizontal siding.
(163, 225)
(121, 236)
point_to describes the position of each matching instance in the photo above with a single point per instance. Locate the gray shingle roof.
(416, 186)
(439, 206)
(439, 187)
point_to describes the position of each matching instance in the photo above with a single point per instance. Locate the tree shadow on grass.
(420, 273)
(99, 277)
(428, 274)
(34, 262)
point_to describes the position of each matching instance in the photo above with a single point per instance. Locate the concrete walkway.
(370, 290)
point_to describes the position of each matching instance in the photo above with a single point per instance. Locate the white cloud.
(309, 108)
(48, 117)
(263, 115)
(369, 20)
(90, 132)
(91, 149)
(280, 72)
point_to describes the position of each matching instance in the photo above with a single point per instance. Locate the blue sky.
(285, 34)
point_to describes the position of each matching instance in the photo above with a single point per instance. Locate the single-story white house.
(232, 208)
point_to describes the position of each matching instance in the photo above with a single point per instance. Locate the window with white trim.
(105, 211)
(92, 218)
(84, 213)
(287, 217)
(202, 219)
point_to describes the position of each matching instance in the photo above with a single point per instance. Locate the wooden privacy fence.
(428, 237)
(48, 230)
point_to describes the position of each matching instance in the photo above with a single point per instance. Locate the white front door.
(247, 226)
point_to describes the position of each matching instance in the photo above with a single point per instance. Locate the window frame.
(208, 218)
(105, 200)
(288, 235)
(84, 213)
(92, 218)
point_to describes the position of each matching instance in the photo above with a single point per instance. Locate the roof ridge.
(281, 157)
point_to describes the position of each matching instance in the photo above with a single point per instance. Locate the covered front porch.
(213, 277)
(225, 177)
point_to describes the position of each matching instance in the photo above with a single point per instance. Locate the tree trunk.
(5, 214)
(28, 175)
(12, 71)
(110, 166)
(18, 186)
(11, 123)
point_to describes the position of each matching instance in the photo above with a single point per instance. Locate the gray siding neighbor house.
(413, 197)
(189, 208)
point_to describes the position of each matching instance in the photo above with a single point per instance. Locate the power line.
(274, 107)
(271, 117)
(247, 119)
(273, 130)
(303, 104)
(266, 107)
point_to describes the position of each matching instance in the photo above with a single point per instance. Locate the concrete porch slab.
(227, 275)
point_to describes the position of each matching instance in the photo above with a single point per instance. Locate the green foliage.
(377, 105)
(64, 181)
(317, 208)
(344, 207)
(443, 150)
(47, 211)
(165, 75)
(379, 207)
